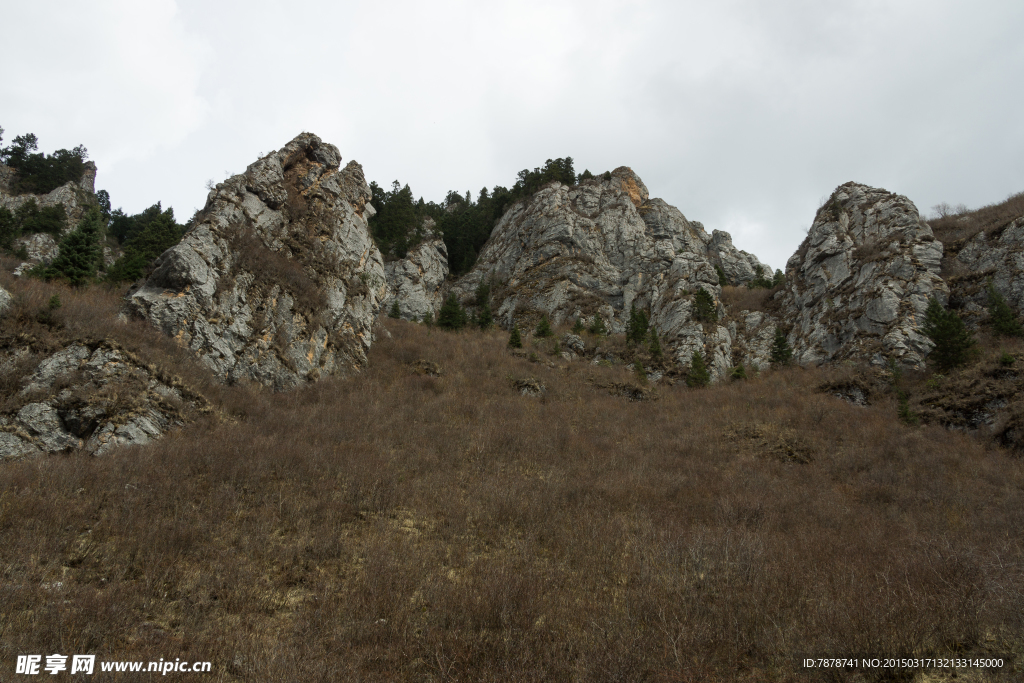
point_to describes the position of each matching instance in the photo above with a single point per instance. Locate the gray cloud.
(744, 114)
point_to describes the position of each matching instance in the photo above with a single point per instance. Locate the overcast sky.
(743, 114)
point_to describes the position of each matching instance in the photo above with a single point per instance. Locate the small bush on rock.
(704, 307)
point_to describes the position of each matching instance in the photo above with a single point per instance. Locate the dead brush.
(370, 528)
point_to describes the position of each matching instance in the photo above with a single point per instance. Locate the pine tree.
(597, 326)
(1004, 321)
(722, 279)
(428, 319)
(698, 375)
(514, 340)
(655, 348)
(80, 254)
(577, 327)
(394, 312)
(543, 328)
(953, 341)
(484, 318)
(782, 354)
(638, 323)
(704, 307)
(452, 315)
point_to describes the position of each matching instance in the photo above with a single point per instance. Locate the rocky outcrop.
(75, 197)
(858, 286)
(415, 281)
(5, 299)
(990, 255)
(279, 280)
(90, 395)
(739, 267)
(599, 248)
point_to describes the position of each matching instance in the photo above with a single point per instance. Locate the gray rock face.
(416, 280)
(858, 287)
(279, 280)
(5, 300)
(998, 256)
(597, 249)
(740, 267)
(75, 197)
(92, 395)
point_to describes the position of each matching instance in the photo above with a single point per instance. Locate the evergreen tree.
(143, 237)
(9, 229)
(452, 315)
(722, 279)
(394, 312)
(543, 328)
(704, 307)
(738, 372)
(636, 332)
(577, 327)
(597, 326)
(698, 375)
(514, 340)
(782, 354)
(953, 341)
(428, 319)
(80, 255)
(1004, 321)
(655, 348)
(484, 318)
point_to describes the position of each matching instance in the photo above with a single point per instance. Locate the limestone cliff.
(75, 197)
(597, 249)
(416, 281)
(279, 280)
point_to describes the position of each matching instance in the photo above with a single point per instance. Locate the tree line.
(465, 224)
(141, 237)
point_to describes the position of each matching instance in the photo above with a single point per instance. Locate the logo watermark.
(33, 665)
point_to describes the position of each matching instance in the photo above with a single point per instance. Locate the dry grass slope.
(401, 526)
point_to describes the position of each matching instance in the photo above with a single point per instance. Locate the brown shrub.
(395, 526)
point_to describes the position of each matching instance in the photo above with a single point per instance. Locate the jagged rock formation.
(416, 280)
(858, 286)
(279, 280)
(75, 197)
(740, 267)
(597, 249)
(91, 395)
(996, 255)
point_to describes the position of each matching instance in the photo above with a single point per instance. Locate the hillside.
(398, 525)
(257, 454)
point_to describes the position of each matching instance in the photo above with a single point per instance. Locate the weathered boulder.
(279, 280)
(858, 286)
(91, 395)
(597, 249)
(415, 281)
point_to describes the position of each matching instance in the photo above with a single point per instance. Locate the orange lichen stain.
(630, 187)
